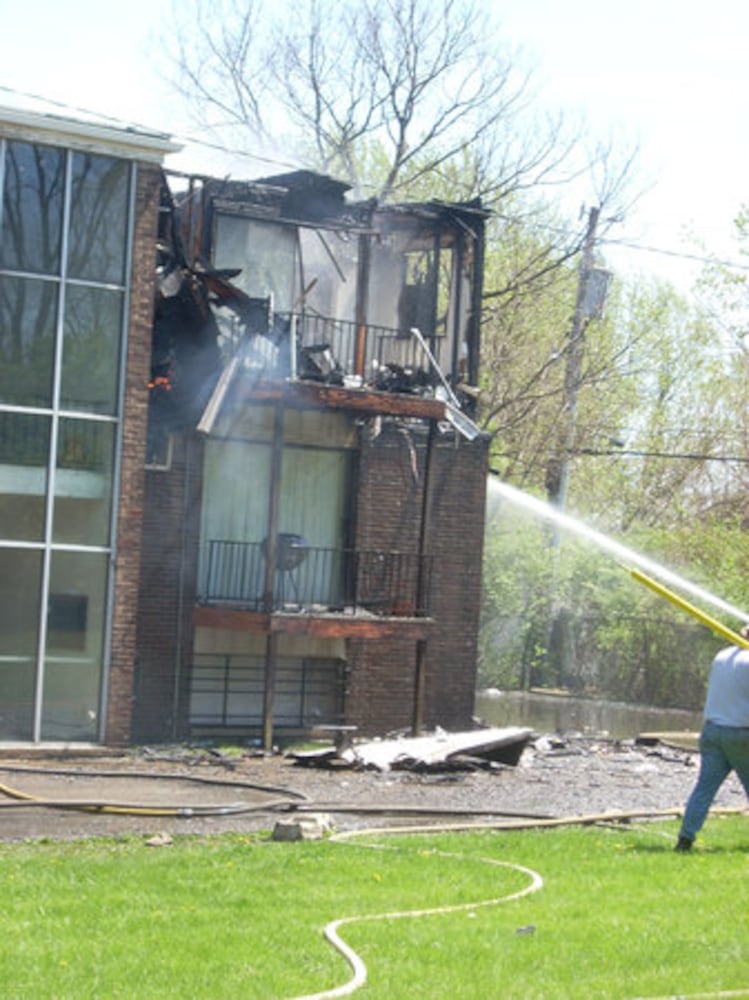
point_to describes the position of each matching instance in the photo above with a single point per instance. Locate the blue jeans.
(722, 749)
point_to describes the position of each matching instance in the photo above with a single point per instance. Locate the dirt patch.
(179, 791)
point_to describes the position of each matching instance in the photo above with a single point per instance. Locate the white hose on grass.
(358, 968)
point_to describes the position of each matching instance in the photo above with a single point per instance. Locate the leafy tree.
(385, 94)
(653, 427)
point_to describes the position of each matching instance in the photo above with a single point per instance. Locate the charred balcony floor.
(319, 624)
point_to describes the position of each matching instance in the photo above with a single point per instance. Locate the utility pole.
(558, 479)
(559, 644)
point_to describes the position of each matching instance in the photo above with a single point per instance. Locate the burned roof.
(308, 183)
(466, 212)
(309, 198)
(300, 196)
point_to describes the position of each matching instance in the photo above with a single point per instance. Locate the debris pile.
(477, 748)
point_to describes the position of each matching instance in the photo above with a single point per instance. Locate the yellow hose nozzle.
(712, 623)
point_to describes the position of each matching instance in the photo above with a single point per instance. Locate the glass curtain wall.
(65, 222)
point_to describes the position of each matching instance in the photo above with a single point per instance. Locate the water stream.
(498, 490)
(562, 713)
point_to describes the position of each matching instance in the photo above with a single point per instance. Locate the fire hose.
(735, 638)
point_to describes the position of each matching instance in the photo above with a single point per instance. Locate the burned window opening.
(253, 297)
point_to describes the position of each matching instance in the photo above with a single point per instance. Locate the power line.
(122, 123)
(544, 227)
(682, 255)
(293, 165)
(693, 456)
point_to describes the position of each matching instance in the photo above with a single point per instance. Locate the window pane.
(32, 208)
(20, 581)
(24, 458)
(334, 291)
(267, 254)
(75, 640)
(235, 504)
(28, 311)
(91, 349)
(313, 493)
(98, 219)
(83, 482)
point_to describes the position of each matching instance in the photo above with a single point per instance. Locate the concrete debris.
(160, 840)
(313, 827)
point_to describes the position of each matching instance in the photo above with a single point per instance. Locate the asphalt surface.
(167, 792)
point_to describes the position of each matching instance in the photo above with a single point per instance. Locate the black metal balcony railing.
(370, 348)
(381, 344)
(320, 580)
(228, 691)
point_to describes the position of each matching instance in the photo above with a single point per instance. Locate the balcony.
(366, 350)
(316, 581)
(329, 350)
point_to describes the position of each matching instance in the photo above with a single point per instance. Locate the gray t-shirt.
(727, 701)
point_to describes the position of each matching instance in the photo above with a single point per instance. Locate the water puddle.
(550, 713)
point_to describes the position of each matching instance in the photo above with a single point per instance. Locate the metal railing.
(228, 691)
(325, 345)
(321, 580)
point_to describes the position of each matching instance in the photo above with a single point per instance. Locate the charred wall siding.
(138, 364)
(390, 502)
(167, 588)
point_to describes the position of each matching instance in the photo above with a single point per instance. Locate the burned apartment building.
(242, 492)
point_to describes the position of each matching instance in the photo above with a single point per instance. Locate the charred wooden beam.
(315, 395)
(313, 626)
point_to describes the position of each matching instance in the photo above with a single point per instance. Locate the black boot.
(684, 844)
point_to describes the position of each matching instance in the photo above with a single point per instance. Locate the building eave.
(127, 143)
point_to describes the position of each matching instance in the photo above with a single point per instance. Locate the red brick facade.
(382, 674)
(130, 515)
(168, 581)
(416, 491)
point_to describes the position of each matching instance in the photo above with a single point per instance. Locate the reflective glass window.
(28, 312)
(64, 226)
(83, 482)
(268, 255)
(20, 586)
(91, 349)
(98, 219)
(24, 460)
(75, 643)
(33, 195)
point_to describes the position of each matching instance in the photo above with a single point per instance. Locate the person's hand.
(744, 633)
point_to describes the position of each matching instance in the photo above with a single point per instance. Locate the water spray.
(628, 557)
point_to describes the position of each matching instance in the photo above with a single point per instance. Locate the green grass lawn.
(619, 915)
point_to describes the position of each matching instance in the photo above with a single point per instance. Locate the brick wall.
(456, 538)
(381, 674)
(380, 686)
(390, 503)
(126, 577)
(167, 587)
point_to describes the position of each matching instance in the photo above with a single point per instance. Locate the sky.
(670, 77)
